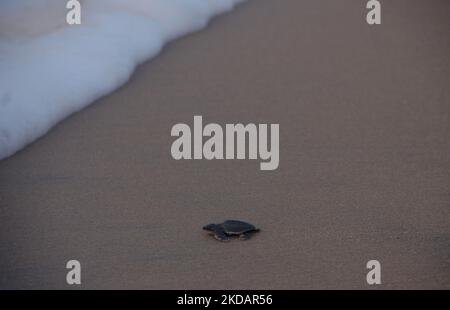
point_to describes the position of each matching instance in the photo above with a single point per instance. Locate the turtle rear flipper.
(245, 236)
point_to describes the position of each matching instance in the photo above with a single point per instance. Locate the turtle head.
(210, 227)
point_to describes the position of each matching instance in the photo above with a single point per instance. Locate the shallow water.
(49, 69)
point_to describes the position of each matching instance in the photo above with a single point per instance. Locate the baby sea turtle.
(225, 230)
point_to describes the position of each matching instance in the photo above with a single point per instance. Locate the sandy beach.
(364, 160)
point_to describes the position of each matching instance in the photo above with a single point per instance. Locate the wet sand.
(364, 160)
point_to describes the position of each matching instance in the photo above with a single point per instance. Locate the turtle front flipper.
(220, 234)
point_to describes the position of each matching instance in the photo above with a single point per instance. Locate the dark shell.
(234, 227)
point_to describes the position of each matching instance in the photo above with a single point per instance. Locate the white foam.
(49, 69)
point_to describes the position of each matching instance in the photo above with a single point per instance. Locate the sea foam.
(49, 69)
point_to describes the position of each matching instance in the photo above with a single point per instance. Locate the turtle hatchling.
(227, 229)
